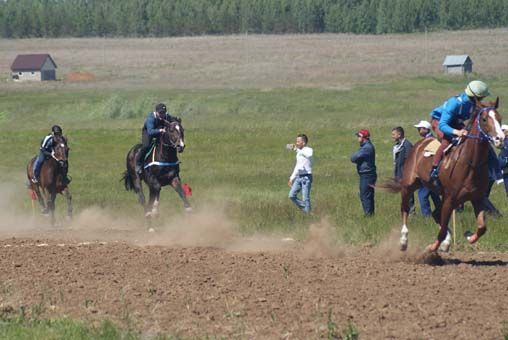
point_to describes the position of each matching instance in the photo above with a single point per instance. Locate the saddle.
(431, 148)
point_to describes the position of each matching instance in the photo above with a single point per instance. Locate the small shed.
(458, 64)
(33, 67)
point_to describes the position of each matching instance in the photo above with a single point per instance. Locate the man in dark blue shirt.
(154, 125)
(365, 159)
(503, 157)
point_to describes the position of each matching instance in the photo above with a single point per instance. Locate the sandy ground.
(194, 278)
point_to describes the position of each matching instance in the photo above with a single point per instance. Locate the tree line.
(140, 18)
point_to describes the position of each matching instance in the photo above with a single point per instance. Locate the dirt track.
(199, 291)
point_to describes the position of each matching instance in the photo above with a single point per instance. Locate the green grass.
(235, 157)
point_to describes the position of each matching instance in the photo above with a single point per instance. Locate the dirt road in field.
(287, 290)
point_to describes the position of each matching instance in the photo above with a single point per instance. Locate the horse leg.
(479, 211)
(152, 208)
(446, 213)
(51, 206)
(154, 200)
(406, 193)
(68, 197)
(41, 200)
(177, 185)
(138, 189)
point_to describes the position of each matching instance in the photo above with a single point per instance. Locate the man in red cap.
(365, 159)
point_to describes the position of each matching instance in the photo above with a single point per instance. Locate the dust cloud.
(206, 226)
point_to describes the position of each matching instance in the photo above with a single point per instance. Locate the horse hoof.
(433, 247)
(403, 246)
(188, 209)
(470, 237)
(444, 247)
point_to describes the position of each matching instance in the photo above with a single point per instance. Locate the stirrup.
(434, 174)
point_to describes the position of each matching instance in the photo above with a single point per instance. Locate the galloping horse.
(52, 179)
(463, 175)
(161, 168)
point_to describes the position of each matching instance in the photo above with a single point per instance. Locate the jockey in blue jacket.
(45, 151)
(448, 119)
(153, 127)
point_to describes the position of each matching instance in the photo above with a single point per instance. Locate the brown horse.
(161, 168)
(52, 179)
(463, 175)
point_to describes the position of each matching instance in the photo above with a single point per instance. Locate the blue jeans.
(367, 192)
(38, 164)
(303, 184)
(423, 196)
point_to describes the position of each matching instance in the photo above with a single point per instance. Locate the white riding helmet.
(477, 88)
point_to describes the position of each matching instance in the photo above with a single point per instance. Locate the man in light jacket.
(301, 177)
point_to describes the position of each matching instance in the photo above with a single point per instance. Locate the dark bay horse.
(463, 175)
(52, 179)
(161, 168)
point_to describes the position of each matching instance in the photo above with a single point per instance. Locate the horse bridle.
(482, 135)
(171, 143)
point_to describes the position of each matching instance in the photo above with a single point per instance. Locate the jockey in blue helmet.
(448, 119)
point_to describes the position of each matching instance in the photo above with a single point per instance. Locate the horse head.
(174, 135)
(60, 150)
(488, 122)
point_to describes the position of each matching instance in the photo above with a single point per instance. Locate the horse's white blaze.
(499, 131)
(177, 127)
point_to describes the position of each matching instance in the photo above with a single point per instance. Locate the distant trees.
(136, 18)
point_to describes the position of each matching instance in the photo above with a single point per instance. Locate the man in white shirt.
(301, 178)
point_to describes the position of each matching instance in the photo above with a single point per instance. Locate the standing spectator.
(401, 150)
(301, 178)
(424, 130)
(365, 159)
(503, 157)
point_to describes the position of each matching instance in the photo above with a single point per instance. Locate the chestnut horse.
(52, 179)
(161, 168)
(463, 175)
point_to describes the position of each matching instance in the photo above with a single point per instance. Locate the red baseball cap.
(363, 133)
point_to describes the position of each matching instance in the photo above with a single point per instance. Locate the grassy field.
(242, 98)
(235, 158)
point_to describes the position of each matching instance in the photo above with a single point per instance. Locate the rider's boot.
(35, 177)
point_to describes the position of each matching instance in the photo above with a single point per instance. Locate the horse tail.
(127, 181)
(391, 185)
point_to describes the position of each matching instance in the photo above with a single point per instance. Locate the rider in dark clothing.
(46, 149)
(153, 127)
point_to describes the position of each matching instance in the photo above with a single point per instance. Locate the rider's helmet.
(56, 130)
(161, 108)
(477, 89)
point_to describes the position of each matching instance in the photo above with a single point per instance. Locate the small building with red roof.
(33, 67)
